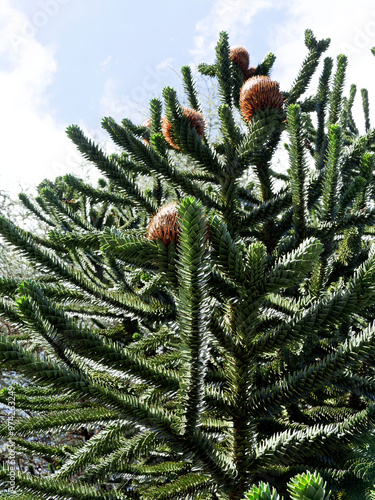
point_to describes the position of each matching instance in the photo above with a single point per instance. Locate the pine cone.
(249, 73)
(259, 92)
(195, 119)
(147, 124)
(164, 225)
(240, 56)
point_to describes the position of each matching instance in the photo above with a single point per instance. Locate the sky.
(66, 62)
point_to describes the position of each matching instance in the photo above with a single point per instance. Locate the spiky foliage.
(241, 353)
(192, 117)
(304, 486)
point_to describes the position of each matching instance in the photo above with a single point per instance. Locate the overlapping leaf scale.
(217, 398)
(10, 312)
(326, 414)
(251, 149)
(117, 274)
(355, 219)
(266, 210)
(102, 443)
(300, 383)
(246, 309)
(221, 287)
(153, 286)
(97, 195)
(192, 145)
(331, 182)
(128, 451)
(190, 88)
(215, 425)
(285, 305)
(321, 103)
(265, 66)
(43, 332)
(230, 130)
(325, 313)
(220, 329)
(162, 472)
(31, 390)
(62, 212)
(44, 403)
(212, 461)
(65, 297)
(121, 302)
(363, 468)
(87, 264)
(156, 108)
(225, 252)
(197, 175)
(361, 386)
(11, 355)
(73, 240)
(196, 444)
(156, 164)
(316, 48)
(187, 138)
(298, 169)
(222, 69)
(60, 329)
(42, 450)
(289, 446)
(294, 266)
(34, 209)
(349, 195)
(45, 259)
(246, 195)
(150, 342)
(188, 486)
(127, 165)
(193, 310)
(108, 167)
(131, 249)
(8, 286)
(335, 99)
(62, 420)
(128, 303)
(40, 486)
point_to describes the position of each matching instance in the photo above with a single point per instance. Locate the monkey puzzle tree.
(211, 335)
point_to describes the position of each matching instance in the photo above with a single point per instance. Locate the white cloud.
(34, 144)
(104, 64)
(108, 62)
(351, 29)
(118, 105)
(234, 16)
(132, 102)
(166, 65)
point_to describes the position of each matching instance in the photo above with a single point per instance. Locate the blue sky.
(75, 61)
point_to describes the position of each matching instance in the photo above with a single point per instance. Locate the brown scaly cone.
(240, 56)
(249, 73)
(164, 224)
(146, 124)
(259, 92)
(195, 119)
